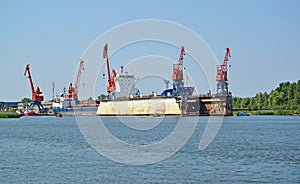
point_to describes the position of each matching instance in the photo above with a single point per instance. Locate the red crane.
(73, 91)
(222, 68)
(177, 68)
(221, 77)
(70, 94)
(36, 97)
(110, 78)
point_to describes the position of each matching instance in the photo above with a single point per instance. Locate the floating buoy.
(59, 115)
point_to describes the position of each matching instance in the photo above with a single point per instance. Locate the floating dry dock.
(177, 101)
(168, 106)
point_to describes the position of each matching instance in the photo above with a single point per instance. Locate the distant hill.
(286, 97)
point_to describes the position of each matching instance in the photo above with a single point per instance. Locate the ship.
(180, 100)
(71, 107)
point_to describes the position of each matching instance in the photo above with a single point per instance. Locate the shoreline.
(9, 115)
(270, 112)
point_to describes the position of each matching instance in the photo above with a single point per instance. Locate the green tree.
(265, 103)
(102, 97)
(26, 102)
(296, 100)
(285, 97)
(258, 101)
(245, 103)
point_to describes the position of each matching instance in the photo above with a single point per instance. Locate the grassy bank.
(272, 112)
(9, 115)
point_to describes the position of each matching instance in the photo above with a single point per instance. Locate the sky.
(52, 36)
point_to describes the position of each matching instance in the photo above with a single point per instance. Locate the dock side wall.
(163, 106)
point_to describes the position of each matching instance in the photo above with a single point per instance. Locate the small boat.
(156, 115)
(29, 113)
(58, 115)
(242, 114)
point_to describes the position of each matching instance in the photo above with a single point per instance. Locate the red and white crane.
(177, 68)
(35, 93)
(110, 78)
(177, 75)
(221, 77)
(73, 91)
(36, 96)
(222, 68)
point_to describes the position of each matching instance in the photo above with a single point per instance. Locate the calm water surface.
(254, 149)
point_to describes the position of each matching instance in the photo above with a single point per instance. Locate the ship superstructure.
(125, 84)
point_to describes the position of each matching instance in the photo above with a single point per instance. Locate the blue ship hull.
(81, 111)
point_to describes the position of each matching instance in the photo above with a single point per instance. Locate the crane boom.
(222, 69)
(182, 53)
(80, 69)
(177, 68)
(29, 77)
(77, 81)
(111, 79)
(226, 56)
(73, 91)
(105, 56)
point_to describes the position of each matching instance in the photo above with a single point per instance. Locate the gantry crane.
(221, 77)
(177, 75)
(110, 78)
(73, 91)
(36, 96)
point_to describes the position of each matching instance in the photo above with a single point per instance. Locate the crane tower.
(221, 77)
(177, 75)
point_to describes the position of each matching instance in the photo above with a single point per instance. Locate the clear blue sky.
(52, 35)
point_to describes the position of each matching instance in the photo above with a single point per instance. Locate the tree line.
(285, 97)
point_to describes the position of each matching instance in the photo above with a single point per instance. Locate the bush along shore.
(9, 115)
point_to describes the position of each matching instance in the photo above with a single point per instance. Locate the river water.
(254, 149)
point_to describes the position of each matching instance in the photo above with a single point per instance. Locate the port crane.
(36, 97)
(177, 68)
(110, 78)
(177, 75)
(221, 77)
(73, 91)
